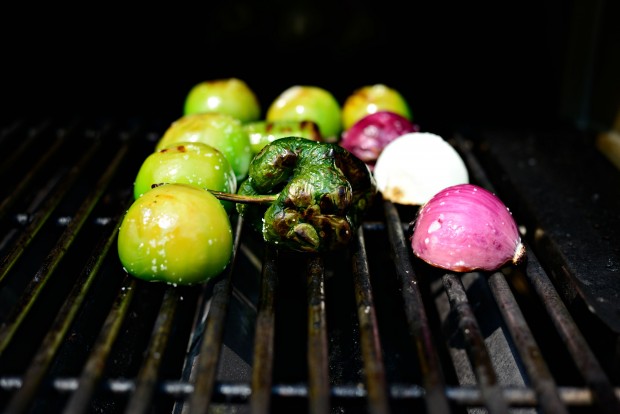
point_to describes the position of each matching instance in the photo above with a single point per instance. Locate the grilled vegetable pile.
(287, 174)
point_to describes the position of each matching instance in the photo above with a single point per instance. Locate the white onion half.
(465, 228)
(415, 166)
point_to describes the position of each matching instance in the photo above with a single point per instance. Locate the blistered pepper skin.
(323, 192)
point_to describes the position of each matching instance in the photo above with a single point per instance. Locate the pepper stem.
(244, 199)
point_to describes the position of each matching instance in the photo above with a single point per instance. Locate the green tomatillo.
(309, 103)
(373, 98)
(264, 132)
(231, 96)
(189, 163)
(221, 131)
(175, 233)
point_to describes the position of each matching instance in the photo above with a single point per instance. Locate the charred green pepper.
(318, 193)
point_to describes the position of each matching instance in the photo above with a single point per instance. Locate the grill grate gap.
(263, 345)
(318, 376)
(374, 369)
(475, 346)
(430, 366)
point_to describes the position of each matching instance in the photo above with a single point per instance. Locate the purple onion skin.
(464, 228)
(369, 135)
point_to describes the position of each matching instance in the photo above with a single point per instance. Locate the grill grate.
(370, 329)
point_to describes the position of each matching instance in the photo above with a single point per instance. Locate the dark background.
(510, 64)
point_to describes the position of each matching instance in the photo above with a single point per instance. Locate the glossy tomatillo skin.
(175, 233)
(221, 131)
(265, 132)
(189, 163)
(231, 96)
(465, 228)
(309, 103)
(370, 99)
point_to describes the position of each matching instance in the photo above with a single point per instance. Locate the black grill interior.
(367, 329)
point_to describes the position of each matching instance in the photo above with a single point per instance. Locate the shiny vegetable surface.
(264, 132)
(309, 103)
(369, 135)
(321, 193)
(189, 163)
(231, 96)
(221, 131)
(415, 166)
(175, 233)
(464, 228)
(373, 98)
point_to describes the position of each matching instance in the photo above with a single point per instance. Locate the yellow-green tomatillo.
(230, 96)
(309, 103)
(188, 163)
(175, 233)
(265, 132)
(221, 131)
(373, 98)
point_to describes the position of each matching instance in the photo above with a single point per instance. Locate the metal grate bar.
(583, 356)
(374, 369)
(529, 351)
(47, 379)
(262, 361)
(53, 340)
(41, 215)
(464, 395)
(147, 379)
(24, 182)
(589, 367)
(318, 376)
(195, 339)
(476, 348)
(34, 288)
(211, 344)
(522, 396)
(16, 155)
(93, 370)
(417, 320)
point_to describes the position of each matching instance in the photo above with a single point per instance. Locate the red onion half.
(464, 228)
(368, 136)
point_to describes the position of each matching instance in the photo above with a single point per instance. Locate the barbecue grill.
(370, 329)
